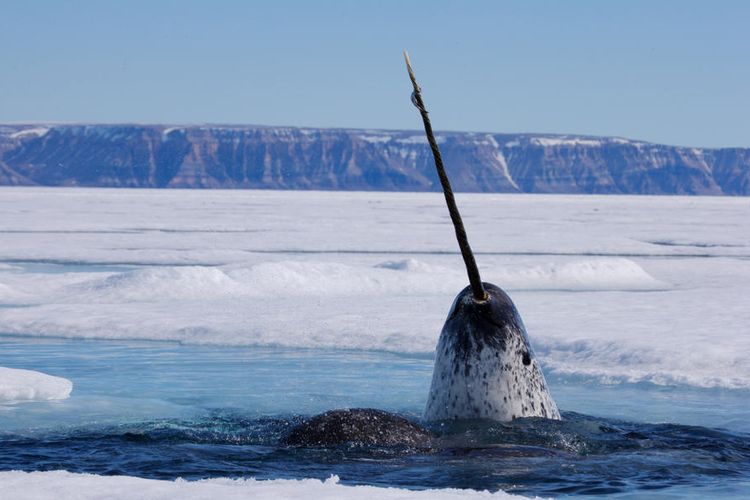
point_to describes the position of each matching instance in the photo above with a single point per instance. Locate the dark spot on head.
(526, 358)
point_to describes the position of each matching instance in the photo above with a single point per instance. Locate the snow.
(556, 141)
(27, 385)
(501, 161)
(61, 484)
(10, 296)
(375, 138)
(564, 141)
(335, 305)
(622, 140)
(620, 289)
(30, 132)
(294, 278)
(419, 139)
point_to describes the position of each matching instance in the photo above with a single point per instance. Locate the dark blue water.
(162, 410)
(580, 455)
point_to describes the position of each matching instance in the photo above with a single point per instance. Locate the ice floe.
(61, 484)
(26, 385)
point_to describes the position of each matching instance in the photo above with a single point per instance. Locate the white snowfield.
(27, 385)
(65, 485)
(618, 288)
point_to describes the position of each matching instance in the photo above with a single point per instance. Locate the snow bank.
(62, 484)
(579, 275)
(637, 361)
(157, 283)
(26, 385)
(311, 278)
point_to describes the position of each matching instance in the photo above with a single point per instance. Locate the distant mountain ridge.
(214, 156)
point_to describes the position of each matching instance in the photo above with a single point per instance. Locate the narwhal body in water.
(484, 365)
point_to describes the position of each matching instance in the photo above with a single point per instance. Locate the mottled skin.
(361, 427)
(484, 365)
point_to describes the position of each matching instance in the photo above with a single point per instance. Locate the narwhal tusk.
(463, 242)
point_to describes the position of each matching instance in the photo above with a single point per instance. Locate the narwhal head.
(492, 323)
(484, 366)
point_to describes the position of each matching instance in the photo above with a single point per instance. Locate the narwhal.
(484, 365)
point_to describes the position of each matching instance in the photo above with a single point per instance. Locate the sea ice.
(61, 484)
(27, 385)
(618, 288)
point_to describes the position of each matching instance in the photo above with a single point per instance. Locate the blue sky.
(675, 72)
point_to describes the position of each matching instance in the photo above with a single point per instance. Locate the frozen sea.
(197, 326)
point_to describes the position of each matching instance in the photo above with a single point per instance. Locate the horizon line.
(52, 123)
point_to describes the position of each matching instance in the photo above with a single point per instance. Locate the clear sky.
(676, 72)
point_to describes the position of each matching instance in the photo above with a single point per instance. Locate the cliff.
(304, 158)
